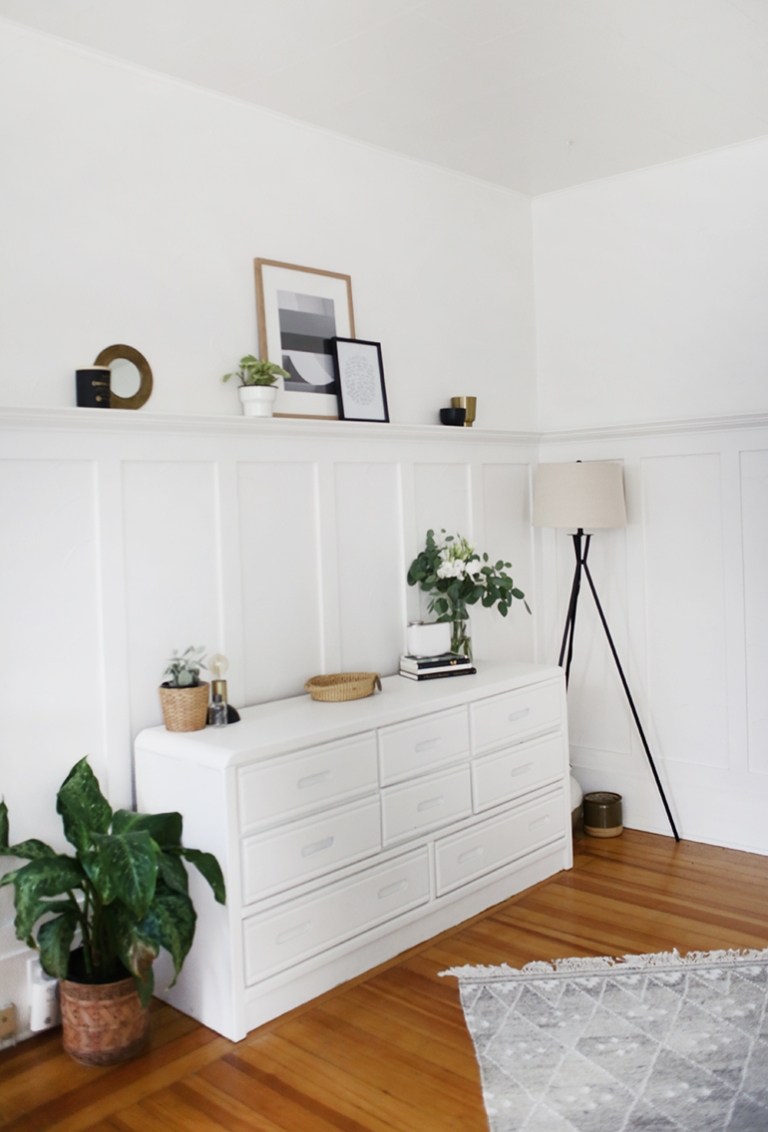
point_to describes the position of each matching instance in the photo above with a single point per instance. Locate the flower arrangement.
(457, 576)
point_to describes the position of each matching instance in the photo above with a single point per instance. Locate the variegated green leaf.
(50, 876)
(207, 864)
(32, 850)
(136, 950)
(130, 861)
(165, 829)
(55, 940)
(173, 872)
(84, 809)
(170, 923)
(98, 869)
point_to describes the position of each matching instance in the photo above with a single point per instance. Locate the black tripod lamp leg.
(570, 620)
(633, 709)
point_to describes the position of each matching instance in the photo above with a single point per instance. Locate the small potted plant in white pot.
(258, 385)
(184, 697)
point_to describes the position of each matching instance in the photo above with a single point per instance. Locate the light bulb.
(218, 665)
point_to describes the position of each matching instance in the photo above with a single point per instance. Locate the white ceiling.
(535, 95)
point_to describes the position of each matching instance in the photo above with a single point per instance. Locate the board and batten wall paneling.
(371, 580)
(685, 606)
(280, 569)
(599, 718)
(754, 512)
(51, 696)
(172, 576)
(442, 501)
(507, 535)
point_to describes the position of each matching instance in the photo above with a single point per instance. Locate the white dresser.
(350, 832)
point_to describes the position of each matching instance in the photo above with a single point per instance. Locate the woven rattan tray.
(343, 686)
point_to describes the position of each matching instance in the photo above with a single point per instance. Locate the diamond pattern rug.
(648, 1043)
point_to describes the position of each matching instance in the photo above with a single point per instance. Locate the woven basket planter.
(103, 1023)
(185, 709)
(343, 686)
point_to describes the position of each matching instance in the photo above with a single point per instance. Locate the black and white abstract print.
(307, 323)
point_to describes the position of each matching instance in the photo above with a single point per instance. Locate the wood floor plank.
(389, 1052)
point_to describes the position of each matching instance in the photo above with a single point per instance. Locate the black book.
(444, 660)
(446, 673)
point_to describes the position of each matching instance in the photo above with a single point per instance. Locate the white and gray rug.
(649, 1043)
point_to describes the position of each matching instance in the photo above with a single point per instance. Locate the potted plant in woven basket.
(184, 697)
(258, 380)
(125, 891)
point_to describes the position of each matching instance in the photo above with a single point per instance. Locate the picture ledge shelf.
(69, 418)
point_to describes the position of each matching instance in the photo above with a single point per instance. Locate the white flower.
(451, 569)
(473, 568)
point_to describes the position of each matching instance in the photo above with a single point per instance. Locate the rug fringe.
(591, 964)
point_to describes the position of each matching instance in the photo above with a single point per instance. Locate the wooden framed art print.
(300, 311)
(360, 377)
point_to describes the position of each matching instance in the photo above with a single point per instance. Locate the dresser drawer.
(508, 774)
(415, 807)
(309, 848)
(295, 931)
(296, 783)
(422, 744)
(464, 856)
(501, 719)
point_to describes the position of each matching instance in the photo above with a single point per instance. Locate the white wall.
(651, 293)
(651, 296)
(132, 208)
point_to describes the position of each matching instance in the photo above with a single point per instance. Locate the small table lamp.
(587, 495)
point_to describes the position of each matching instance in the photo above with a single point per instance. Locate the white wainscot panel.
(507, 536)
(598, 713)
(370, 566)
(685, 603)
(442, 500)
(171, 572)
(51, 693)
(754, 510)
(280, 578)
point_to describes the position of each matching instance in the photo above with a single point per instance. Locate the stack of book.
(435, 667)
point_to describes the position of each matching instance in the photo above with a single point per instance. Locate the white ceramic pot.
(258, 400)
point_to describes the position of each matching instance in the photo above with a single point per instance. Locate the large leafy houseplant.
(456, 577)
(125, 888)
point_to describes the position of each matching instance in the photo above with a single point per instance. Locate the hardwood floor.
(391, 1052)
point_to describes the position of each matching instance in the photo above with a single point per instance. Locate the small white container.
(430, 639)
(258, 400)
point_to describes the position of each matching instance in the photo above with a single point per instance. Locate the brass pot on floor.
(103, 1023)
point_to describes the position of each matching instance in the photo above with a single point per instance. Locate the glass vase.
(461, 641)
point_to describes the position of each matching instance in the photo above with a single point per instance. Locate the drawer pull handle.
(470, 853)
(430, 804)
(294, 933)
(516, 715)
(314, 779)
(521, 770)
(317, 847)
(426, 744)
(391, 889)
(539, 822)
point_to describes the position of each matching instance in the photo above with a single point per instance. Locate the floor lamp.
(587, 495)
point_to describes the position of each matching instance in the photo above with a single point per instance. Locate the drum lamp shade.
(587, 495)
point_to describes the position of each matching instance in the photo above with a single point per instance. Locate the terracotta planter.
(185, 709)
(103, 1023)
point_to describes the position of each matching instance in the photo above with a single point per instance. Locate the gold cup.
(468, 403)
